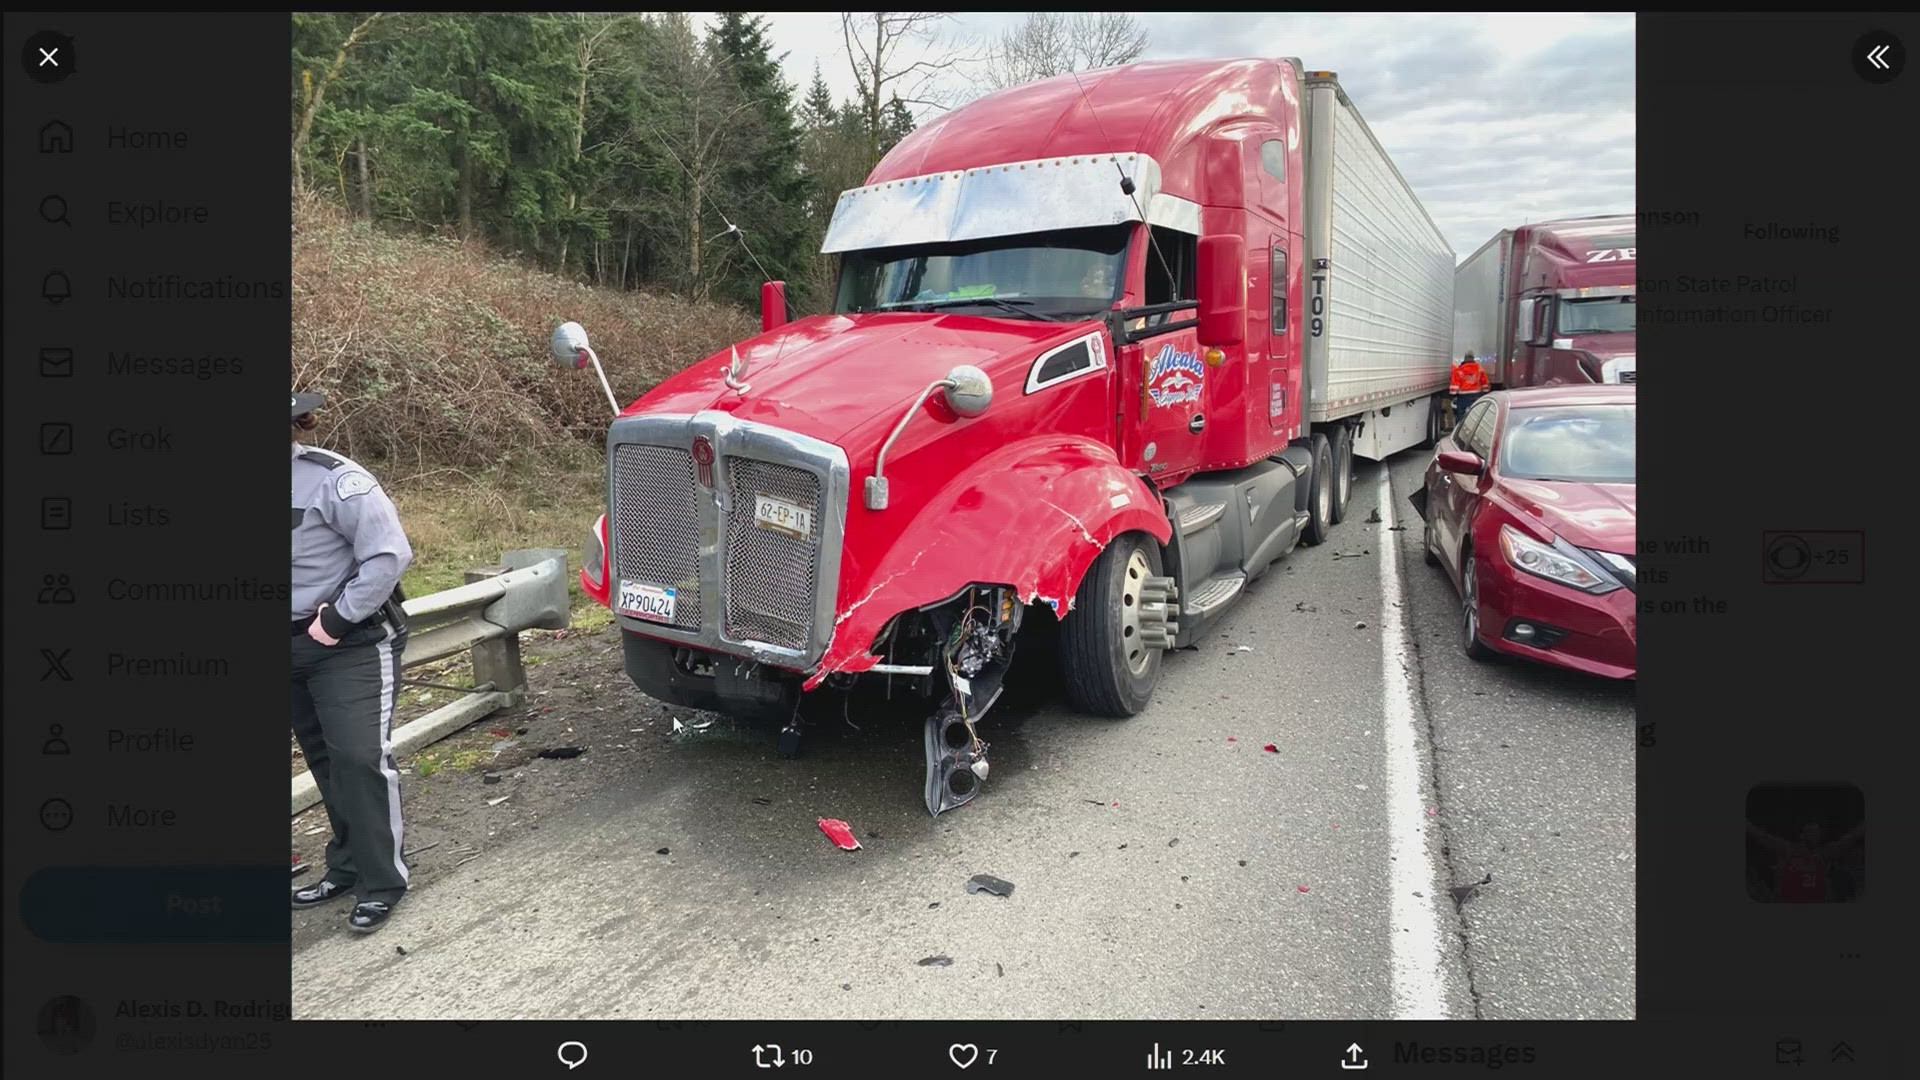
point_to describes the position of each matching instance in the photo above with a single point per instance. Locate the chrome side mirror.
(571, 352)
(969, 391)
(569, 345)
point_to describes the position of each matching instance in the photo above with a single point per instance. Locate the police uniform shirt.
(348, 547)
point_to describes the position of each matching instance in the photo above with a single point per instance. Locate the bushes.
(434, 352)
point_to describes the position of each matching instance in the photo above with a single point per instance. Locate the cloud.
(1494, 118)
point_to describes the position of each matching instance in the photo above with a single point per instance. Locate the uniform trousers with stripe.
(343, 699)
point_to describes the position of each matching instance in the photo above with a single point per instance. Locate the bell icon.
(55, 287)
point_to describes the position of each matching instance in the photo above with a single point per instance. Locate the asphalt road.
(1165, 866)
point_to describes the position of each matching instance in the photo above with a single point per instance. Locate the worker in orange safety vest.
(1469, 383)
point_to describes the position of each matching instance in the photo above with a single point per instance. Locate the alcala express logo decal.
(1175, 377)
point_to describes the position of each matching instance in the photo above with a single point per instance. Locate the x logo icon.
(56, 665)
(46, 56)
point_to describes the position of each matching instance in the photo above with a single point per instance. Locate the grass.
(459, 519)
(428, 762)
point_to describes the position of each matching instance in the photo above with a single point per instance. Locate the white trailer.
(1379, 286)
(1482, 320)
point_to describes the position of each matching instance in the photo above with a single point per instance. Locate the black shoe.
(320, 892)
(369, 915)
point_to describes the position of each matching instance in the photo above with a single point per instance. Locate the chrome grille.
(656, 536)
(1627, 376)
(770, 577)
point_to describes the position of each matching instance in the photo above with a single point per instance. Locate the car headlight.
(594, 555)
(1555, 562)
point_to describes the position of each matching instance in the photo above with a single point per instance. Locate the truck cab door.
(1165, 389)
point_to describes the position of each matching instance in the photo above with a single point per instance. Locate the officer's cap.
(306, 403)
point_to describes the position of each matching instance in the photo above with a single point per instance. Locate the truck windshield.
(1600, 315)
(1591, 444)
(1068, 272)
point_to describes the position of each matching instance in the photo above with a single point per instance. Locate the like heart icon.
(963, 1054)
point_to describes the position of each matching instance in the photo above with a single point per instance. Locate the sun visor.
(1005, 200)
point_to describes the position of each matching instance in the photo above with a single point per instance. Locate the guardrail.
(526, 590)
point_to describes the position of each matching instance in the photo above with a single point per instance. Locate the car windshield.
(1600, 315)
(1584, 443)
(1032, 275)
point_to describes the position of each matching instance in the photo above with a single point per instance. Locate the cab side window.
(1279, 288)
(1171, 261)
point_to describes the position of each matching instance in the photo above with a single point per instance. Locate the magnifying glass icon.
(53, 211)
(573, 1054)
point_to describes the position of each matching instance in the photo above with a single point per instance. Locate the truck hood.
(1597, 516)
(826, 375)
(1604, 347)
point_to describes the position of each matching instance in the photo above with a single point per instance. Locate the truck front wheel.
(1320, 492)
(1112, 642)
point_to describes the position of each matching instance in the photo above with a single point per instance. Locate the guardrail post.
(498, 661)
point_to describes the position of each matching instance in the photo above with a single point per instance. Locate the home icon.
(56, 138)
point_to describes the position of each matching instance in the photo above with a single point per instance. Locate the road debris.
(561, 753)
(1173, 841)
(490, 778)
(762, 800)
(1232, 739)
(1374, 518)
(498, 801)
(401, 949)
(1359, 626)
(1464, 893)
(1302, 888)
(664, 851)
(1271, 749)
(840, 833)
(1002, 972)
(987, 883)
(300, 867)
(936, 961)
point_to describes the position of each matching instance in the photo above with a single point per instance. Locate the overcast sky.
(1495, 119)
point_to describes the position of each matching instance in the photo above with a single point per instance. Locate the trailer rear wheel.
(1112, 642)
(1320, 492)
(1342, 471)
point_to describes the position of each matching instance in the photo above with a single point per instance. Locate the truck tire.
(1342, 471)
(1107, 668)
(1320, 492)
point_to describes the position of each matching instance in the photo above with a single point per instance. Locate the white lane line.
(1418, 955)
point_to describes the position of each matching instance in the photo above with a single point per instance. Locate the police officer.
(348, 631)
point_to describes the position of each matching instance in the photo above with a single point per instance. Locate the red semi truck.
(1550, 303)
(1102, 350)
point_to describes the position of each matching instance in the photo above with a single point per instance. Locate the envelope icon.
(56, 363)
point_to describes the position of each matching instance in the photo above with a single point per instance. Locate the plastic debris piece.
(1243, 862)
(1271, 749)
(664, 851)
(1173, 841)
(1432, 812)
(1359, 626)
(1232, 739)
(1302, 888)
(300, 867)
(561, 752)
(762, 800)
(1073, 854)
(1002, 971)
(502, 733)
(840, 833)
(498, 801)
(933, 905)
(980, 883)
(490, 778)
(504, 745)
(1243, 648)
(936, 961)
(401, 949)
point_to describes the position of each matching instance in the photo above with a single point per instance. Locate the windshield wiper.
(997, 301)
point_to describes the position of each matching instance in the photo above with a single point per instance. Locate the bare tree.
(1053, 43)
(878, 46)
(702, 110)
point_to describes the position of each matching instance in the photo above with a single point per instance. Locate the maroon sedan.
(1529, 506)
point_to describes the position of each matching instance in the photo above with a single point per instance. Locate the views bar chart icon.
(1160, 1059)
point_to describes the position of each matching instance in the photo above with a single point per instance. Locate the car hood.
(826, 375)
(1597, 516)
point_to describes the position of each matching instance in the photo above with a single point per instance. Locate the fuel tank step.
(1199, 516)
(1214, 592)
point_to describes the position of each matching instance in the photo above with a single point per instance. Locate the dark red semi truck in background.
(1551, 303)
(1102, 350)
